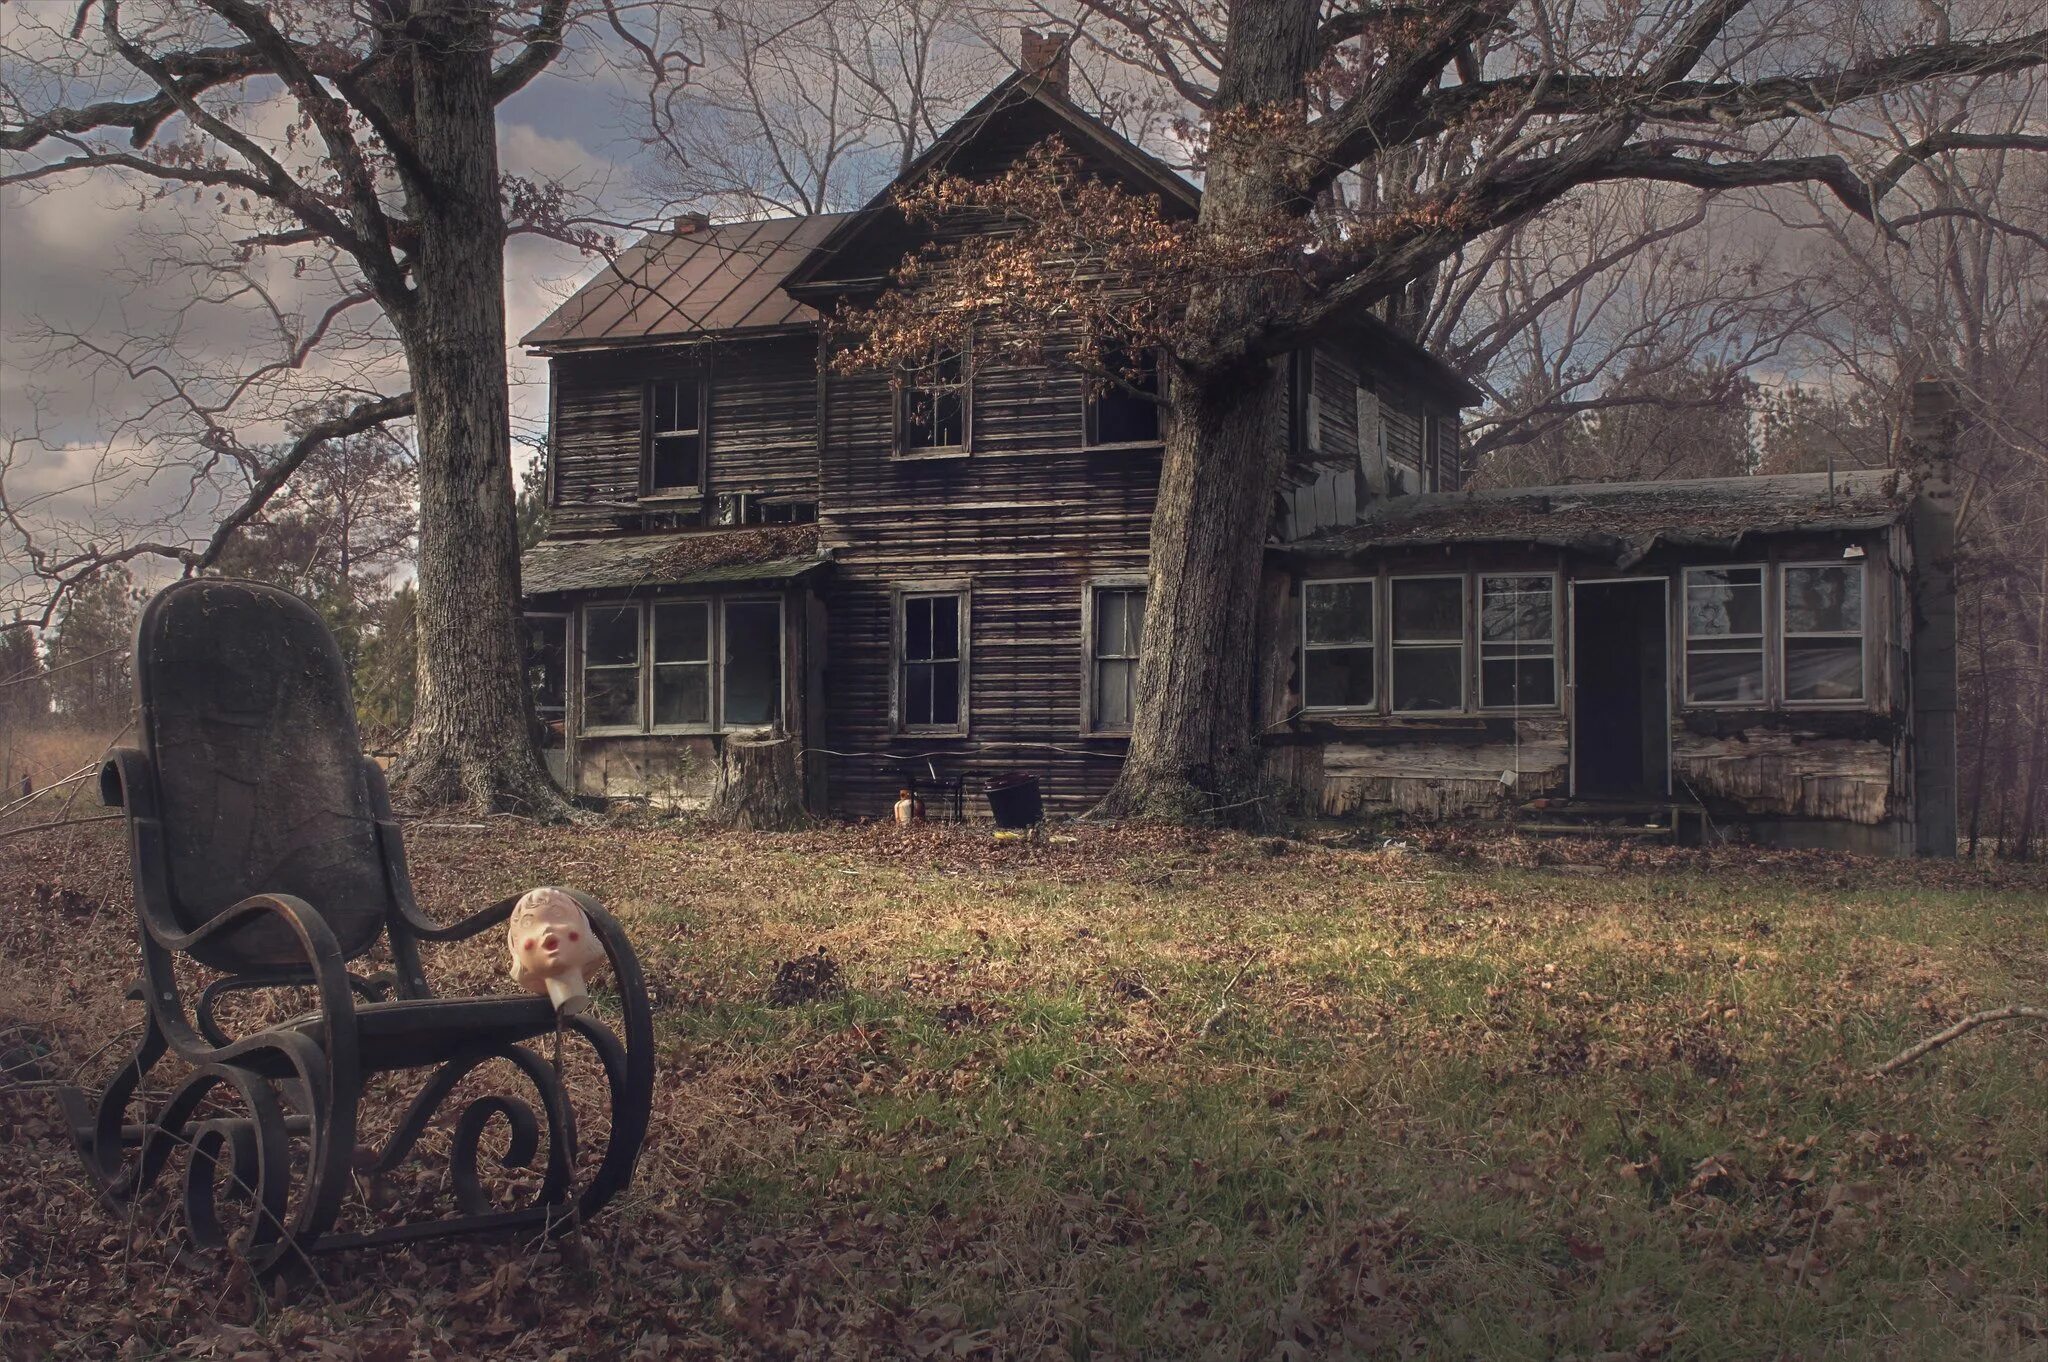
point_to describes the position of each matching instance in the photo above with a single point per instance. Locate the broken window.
(1823, 618)
(682, 664)
(1517, 642)
(931, 413)
(675, 443)
(1724, 636)
(547, 674)
(1117, 626)
(1337, 653)
(931, 662)
(611, 667)
(1124, 408)
(753, 663)
(1428, 638)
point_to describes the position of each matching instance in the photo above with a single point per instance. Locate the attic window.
(931, 404)
(675, 436)
(1124, 409)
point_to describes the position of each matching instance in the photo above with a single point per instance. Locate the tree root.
(2014, 1012)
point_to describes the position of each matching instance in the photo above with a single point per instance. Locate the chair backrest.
(251, 731)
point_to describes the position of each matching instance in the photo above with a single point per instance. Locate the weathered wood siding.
(1027, 524)
(761, 426)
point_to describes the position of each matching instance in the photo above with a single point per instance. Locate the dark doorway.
(1620, 692)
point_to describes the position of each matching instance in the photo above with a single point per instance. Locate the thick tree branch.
(543, 45)
(195, 73)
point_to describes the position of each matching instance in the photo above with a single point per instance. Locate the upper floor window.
(675, 436)
(1123, 409)
(932, 404)
(931, 660)
(1517, 642)
(1117, 625)
(1428, 644)
(1822, 661)
(1724, 635)
(1338, 656)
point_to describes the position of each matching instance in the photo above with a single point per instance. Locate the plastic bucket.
(1014, 801)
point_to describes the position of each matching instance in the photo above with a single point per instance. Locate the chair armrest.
(124, 781)
(316, 940)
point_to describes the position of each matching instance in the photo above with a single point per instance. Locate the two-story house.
(944, 578)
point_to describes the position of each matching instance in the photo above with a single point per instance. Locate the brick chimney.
(1045, 56)
(689, 224)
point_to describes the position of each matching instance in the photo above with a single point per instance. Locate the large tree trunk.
(1194, 741)
(472, 733)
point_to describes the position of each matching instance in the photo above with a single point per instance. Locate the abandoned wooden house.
(937, 580)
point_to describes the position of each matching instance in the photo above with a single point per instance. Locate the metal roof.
(1626, 520)
(672, 285)
(769, 553)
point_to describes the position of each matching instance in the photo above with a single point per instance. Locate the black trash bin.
(1014, 801)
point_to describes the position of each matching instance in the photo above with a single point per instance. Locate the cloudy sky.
(95, 257)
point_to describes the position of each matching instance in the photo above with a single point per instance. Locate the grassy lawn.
(1142, 1094)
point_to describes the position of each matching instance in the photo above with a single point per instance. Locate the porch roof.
(768, 553)
(1625, 520)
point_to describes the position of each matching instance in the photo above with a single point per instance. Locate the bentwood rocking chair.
(265, 853)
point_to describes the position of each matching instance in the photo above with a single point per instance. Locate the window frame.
(1556, 704)
(901, 391)
(899, 595)
(1464, 643)
(648, 435)
(651, 613)
(1372, 645)
(1785, 635)
(1126, 581)
(583, 728)
(723, 656)
(1766, 685)
(569, 642)
(1091, 400)
(645, 607)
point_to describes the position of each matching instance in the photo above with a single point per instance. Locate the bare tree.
(1349, 152)
(356, 143)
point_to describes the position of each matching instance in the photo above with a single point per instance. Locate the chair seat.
(412, 1033)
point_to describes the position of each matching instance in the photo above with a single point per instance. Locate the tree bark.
(758, 787)
(472, 732)
(1194, 741)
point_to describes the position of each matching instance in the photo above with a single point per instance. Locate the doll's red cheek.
(575, 936)
(529, 944)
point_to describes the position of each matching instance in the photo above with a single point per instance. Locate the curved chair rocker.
(263, 848)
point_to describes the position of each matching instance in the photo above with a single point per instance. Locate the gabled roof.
(1625, 520)
(718, 280)
(1021, 92)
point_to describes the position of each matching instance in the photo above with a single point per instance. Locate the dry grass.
(46, 754)
(1142, 1094)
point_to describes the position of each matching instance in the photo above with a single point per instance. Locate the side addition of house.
(935, 578)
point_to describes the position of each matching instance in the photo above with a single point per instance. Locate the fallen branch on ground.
(1962, 1028)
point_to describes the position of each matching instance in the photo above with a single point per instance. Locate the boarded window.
(930, 666)
(1428, 637)
(753, 662)
(1517, 642)
(675, 436)
(1124, 409)
(932, 403)
(682, 664)
(611, 666)
(1724, 636)
(1823, 615)
(1119, 624)
(1337, 653)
